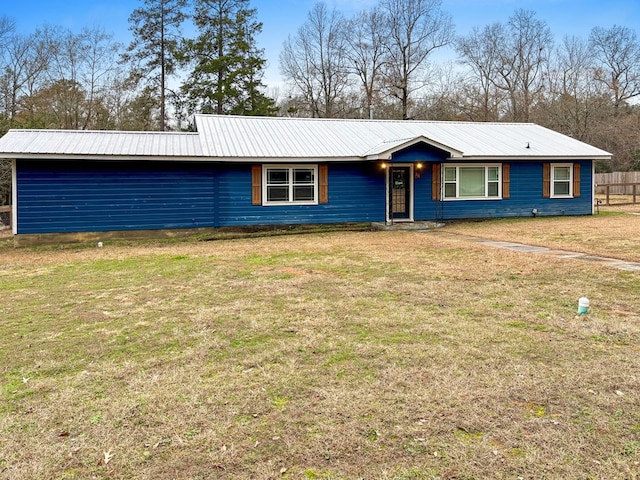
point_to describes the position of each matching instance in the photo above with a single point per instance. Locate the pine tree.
(227, 66)
(156, 32)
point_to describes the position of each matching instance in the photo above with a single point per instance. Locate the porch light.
(419, 165)
(383, 165)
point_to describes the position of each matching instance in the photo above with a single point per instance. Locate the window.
(561, 180)
(284, 184)
(469, 182)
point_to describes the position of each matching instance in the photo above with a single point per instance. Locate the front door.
(400, 184)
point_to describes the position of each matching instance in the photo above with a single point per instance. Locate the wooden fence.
(6, 209)
(619, 183)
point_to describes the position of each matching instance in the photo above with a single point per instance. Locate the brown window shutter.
(436, 180)
(323, 183)
(546, 180)
(506, 180)
(256, 185)
(576, 179)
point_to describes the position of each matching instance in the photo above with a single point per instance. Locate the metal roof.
(300, 138)
(98, 144)
(234, 138)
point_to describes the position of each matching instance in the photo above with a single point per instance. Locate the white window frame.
(552, 180)
(458, 166)
(290, 184)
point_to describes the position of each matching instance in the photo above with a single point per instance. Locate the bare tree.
(368, 32)
(617, 55)
(523, 58)
(26, 59)
(7, 27)
(316, 63)
(416, 29)
(481, 51)
(573, 100)
(80, 71)
(443, 98)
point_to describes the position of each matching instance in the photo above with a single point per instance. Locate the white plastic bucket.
(583, 305)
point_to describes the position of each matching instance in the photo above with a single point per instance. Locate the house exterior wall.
(526, 194)
(65, 196)
(356, 194)
(94, 196)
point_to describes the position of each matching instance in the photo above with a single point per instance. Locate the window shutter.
(506, 180)
(323, 183)
(546, 180)
(435, 181)
(576, 179)
(256, 185)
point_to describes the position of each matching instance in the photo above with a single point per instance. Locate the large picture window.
(287, 184)
(470, 182)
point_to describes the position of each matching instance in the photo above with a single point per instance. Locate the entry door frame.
(389, 218)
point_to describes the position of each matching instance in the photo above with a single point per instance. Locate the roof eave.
(524, 158)
(58, 156)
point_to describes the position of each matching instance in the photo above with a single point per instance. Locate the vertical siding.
(59, 196)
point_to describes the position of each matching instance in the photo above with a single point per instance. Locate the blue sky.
(282, 17)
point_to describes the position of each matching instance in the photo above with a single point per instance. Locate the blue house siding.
(526, 194)
(84, 196)
(60, 196)
(424, 207)
(356, 194)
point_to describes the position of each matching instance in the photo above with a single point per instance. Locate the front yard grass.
(386, 355)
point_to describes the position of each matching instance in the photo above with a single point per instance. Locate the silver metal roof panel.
(300, 138)
(86, 143)
(234, 138)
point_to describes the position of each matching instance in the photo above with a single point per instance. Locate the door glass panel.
(399, 192)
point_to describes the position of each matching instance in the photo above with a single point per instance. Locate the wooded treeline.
(400, 59)
(390, 60)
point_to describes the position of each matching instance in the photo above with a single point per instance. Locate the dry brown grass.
(386, 355)
(614, 233)
(619, 201)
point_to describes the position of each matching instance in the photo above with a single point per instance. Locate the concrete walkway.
(520, 247)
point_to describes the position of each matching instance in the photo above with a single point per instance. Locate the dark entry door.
(400, 193)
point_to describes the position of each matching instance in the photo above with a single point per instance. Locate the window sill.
(288, 204)
(463, 199)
